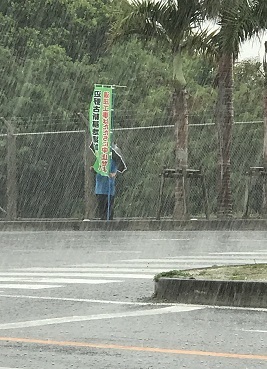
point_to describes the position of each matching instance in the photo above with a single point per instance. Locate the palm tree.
(173, 22)
(238, 21)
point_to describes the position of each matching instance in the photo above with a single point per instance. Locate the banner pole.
(101, 118)
(111, 140)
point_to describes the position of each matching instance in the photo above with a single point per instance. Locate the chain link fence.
(3, 174)
(50, 174)
(50, 171)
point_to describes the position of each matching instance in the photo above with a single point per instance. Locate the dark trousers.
(102, 207)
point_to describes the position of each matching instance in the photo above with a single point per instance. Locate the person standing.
(105, 193)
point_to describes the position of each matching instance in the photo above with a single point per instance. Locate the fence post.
(12, 192)
(89, 175)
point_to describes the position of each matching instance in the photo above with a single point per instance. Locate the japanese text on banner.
(100, 118)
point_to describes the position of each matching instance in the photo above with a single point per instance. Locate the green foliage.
(79, 26)
(249, 84)
(145, 77)
(173, 274)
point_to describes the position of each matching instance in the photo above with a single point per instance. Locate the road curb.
(133, 225)
(212, 292)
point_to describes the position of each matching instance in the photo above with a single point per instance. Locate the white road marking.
(29, 251)
(28, 286)
(238, 308)
(170, 239)
(194, 259)
(80, 274)
(142, 263)
(254, 330)
(71, 319)
(206, 262)
(246, 239)
(108, 302)
(59, 280)
(112, 302)
(4, 367)
(120, 270)
(239, 253)
(118, 251)
(105, 268)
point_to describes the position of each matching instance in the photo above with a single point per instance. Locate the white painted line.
(242, 239)
(254, 330)
(238, 308)
(119, 252)
(72, 319)
(148, 268)
(170, 239)
(239, 253)
(224, 260)
(108, 302)
(29, 251)
(181, 259)
(59, 280)
(79, 280)
(136, 264)
(101, 267)
(93, 267)
(28, 286)
(84, 274)
(4, 367)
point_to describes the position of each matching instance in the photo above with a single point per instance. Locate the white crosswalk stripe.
(71, 319)
(119, 271)
(27, 286)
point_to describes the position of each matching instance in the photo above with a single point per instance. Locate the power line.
(126, 128)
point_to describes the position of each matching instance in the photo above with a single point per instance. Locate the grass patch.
(173, 274)
(249, 272)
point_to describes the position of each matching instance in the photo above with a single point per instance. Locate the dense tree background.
(51, 54)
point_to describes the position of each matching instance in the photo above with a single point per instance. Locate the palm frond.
(165, 20)
(203, 42)
(239, 20)
(259, 10)
(210, 8)
(179, 17)
(142, 18)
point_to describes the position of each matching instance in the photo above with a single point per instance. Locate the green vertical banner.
(100, 125)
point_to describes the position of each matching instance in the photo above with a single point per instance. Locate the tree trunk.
(224, 120)
(180, 115)
(180, 119)
(264, 207)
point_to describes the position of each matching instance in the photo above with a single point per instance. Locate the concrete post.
(12, 192)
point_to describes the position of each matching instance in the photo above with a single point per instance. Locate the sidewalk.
(133, 225)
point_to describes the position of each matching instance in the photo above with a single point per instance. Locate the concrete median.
(212, 292)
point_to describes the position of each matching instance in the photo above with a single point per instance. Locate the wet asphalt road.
(80, 300)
